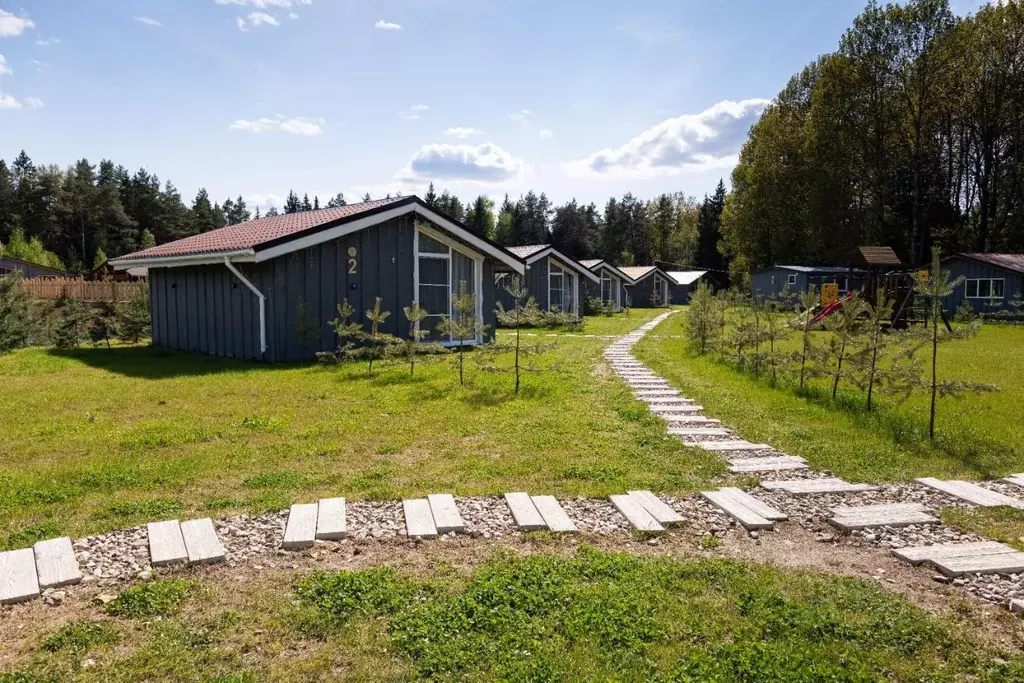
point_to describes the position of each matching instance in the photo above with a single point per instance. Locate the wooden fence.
(84, 290)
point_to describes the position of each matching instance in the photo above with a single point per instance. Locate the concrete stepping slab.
(331, 519)
(18, 579)
(665, 411)
(944, 551)
(419, 520)
(1006, 563)
(772, 464)
(691, 418)
(894, 515)
(699, 431)
(806, 487)
(554, 516)
(666, 400)
(166, 544)
(446, 514)
(726, 501)
(524, 512)
(1017, 606)
(657, 508)
(1017, 479)
(201, 542)
(733, 445)
(300, 532)
(637, 514)
(56, 564)
(972, 493)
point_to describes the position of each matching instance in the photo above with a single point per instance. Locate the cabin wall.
(1013, 283)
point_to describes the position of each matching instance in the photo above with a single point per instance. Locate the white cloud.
(13, 25)
(302, 126)
(546, 134)
(148, 21)
(261, 18)
(242, 26)
(710, 139)
(413, 112)
(46, 42)
(264, 201)
(264, 4)
(296, 125)
(521, 116)
(462, 132)
(293, 15)
(8, 102)
(387, 26)
(4, 69)
(486, 163)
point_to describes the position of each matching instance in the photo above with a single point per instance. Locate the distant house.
(552, 278)
(650, 286)
(611, 286)
(28, 270)
(682, 283)
(991, 280)
(107, 272)
(243, 290)
(796, 279)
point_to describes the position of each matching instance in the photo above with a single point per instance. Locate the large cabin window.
(440, 268)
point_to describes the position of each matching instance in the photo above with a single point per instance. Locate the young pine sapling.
(704, 324)
(463, 326)
(415, 314)
(808, 302)
(524, 313)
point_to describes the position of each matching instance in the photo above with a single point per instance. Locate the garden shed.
(991, 281)
(611, 285)
(266, 289)
(650, 286)
(552, 278)
(772, 282)
(28, 270)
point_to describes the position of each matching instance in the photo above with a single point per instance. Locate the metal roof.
(1014, 262)
(685, 277)
(525, 252)
(814, 269)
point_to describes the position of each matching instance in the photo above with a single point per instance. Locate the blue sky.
(583, 98)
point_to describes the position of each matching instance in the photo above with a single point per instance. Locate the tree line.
(75, 218)
(910, 135)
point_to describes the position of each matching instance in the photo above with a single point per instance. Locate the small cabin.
(991, 281)
(267, 288)
(611, 288)
(29, 270)
(772, 282)
(682, 284)
(650, 287)
(553, 279)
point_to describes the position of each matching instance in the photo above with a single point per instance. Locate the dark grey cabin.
(773, 282)
(266, 289)
(611, 287)
(650, 286)
(991, 281)
(28, 269)
(552, 279)
(682, 283)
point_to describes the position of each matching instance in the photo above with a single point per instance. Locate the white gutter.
(259, 295)
(206, 258)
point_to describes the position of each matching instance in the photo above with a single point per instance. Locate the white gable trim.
(328, 235)
(614, 271)
(566, 261)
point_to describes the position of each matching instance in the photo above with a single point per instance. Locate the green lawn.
(979, 436)
(96, 439)
(590, 616)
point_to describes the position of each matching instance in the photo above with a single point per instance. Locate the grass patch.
(1003, 524)
(980, 436)
(33, 533)
(158, 432)
(158, 598)
(610, 616)
(79, 636)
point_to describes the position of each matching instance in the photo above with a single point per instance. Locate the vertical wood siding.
(971, 269)
(207, 309)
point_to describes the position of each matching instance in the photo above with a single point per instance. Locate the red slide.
(831, 308)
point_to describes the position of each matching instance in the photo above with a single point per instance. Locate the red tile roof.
(528, 250)
(1013, 262)
(251, 234)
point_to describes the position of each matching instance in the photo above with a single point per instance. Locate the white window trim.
(991, 288)
(792, 279)
(478, 274)
(574, 282)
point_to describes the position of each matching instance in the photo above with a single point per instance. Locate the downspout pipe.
(262, 299)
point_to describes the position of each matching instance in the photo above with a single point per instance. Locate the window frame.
(791, 279)
(991, 281)
(478, 269)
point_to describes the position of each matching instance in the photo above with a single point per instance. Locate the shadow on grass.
(150, 362)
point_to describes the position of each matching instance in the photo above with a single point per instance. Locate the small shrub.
(79, 636)
(133, 319)
(16, 314)
(156, 599)
(72, 323)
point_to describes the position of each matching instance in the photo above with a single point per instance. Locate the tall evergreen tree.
(480, 217)
(709, 230)
(292, 204)
(336, 201)
(430, 198)
(203, 217)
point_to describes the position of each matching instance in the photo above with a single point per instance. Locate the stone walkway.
(897, 518)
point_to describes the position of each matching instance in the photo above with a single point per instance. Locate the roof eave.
(204, 258)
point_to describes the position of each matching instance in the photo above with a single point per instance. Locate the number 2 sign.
(352, 270)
